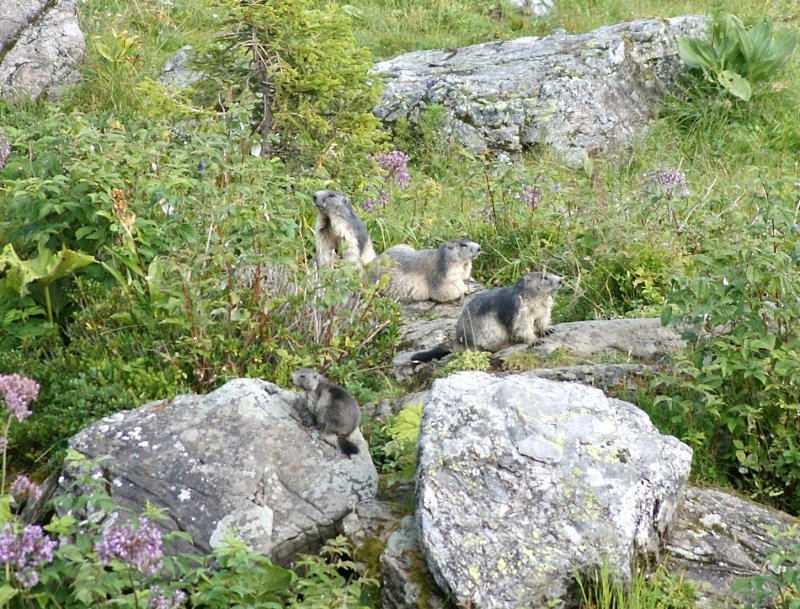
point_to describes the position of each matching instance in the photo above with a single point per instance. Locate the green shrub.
(394, 446)
(736, 391)
(314, 96)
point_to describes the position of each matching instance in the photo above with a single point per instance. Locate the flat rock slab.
(41, 44)
(522, 482)
(236, 458)
(718, 538)
(575, 93)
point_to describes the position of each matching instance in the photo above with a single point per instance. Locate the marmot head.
(536, 283)
(331, 202)
(305, 378)
(461, 249)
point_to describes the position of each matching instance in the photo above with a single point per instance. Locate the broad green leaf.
(735, 84)
(45, 268)
(6, 594)
(697, 53)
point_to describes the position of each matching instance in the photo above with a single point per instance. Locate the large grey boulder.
(578, 93)
(40, 46)
(523, 482)
(237, 458)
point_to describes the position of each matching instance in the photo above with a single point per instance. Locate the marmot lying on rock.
(440, 274)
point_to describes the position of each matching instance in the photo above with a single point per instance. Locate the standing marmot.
(519, 313)
(334, 410)
(440, 274)
(339, 230)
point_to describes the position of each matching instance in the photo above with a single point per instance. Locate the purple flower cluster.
(139, 547)
(18, 392)
(395, 163)
(531, 195)
(25, 552)
(159, 601)
(369, 204)
(23, 486)
(670, 180)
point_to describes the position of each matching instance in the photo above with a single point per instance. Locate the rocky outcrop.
(575, 93)
(719, 538)
(237, 458)
(40, 46)
(632, 348)
(523, 482)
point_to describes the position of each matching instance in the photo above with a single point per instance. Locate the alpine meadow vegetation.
(157, 241)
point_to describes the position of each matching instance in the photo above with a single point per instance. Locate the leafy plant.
(736, 389)
(779, 583)
(734, 57)
(398, 453)
(659, 590)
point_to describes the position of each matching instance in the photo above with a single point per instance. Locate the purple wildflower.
(531, 195)
(139, 547)
(23, 486)
(201, 166)
(369, 204)
(395, 163)
(23, 553)
(159, 601)
(18, 392)
(669, 180)
(5, 150)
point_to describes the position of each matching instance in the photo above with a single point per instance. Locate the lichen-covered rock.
(522, 482)
(576, 93)
(40, 45)
(718, 538)
(406, 583)
(235, 458)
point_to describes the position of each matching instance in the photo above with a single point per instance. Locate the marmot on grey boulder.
(333, 409)
(338, 230)
(440, 274)
(519, 313)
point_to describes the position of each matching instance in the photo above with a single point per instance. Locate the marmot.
(440, 274)
(333, 409)
(339, 230)
(519, 313)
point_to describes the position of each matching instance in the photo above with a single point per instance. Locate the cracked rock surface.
(577, 94)
(522, 482)
(237, 457)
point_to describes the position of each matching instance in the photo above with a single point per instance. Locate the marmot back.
(440, 274)
(519, 313)
(333, 409)
(339, 230)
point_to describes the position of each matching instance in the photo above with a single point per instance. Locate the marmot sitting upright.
(440, 274)
(333, 409)
(519, 313)
(339, 230)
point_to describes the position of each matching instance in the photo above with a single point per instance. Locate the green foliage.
(466, 360)
(737, 58)
(315, 94)
(395, 446)
(779, 584)
(736, 391)
(601, 590)
(85, 570)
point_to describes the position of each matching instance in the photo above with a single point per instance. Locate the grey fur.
(332, 408)
(339, 230)
(519, 313)
(440, 274)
